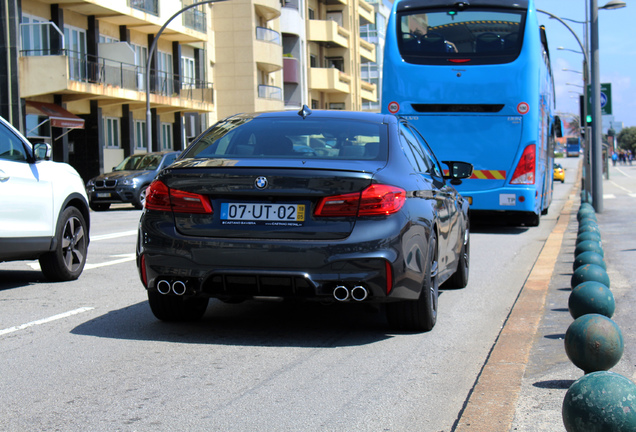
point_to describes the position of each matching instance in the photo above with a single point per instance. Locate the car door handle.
(4, 177)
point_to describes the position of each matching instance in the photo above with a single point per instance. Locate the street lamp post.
(153, 47)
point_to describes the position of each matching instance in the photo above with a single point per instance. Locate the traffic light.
(582, 117)
(588, 119)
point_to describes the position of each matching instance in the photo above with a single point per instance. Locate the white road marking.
(620, 187)
(623, 172)
(45, 320)
(124, 258)
(609, 196)
(113, 235)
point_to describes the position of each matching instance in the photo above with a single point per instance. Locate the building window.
(312, 14)
(112, 132)
(164, 66)
(166, 136)
(140, 135)
(75, 45)
(35, 36)
(141, 57)
(313, 61)
(315, 104)
(187, 73)
(337, 106)
(107, 39)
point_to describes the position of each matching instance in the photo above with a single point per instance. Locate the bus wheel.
(532, 220)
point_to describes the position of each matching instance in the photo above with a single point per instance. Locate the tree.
(574, 127)
(627, 139)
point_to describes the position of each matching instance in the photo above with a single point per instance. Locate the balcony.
(367, 51)
(148, 6)
(268, 51)
(329, 80)
(328, 33)
(368, 92)
(268, 9)
(366, 13)
(291, 71)
(72, 72)
(270, 92)
(195, 19)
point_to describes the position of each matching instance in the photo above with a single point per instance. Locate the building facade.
(76, 71)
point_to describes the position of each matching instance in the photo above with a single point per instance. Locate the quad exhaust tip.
(357, 293)
(177, 287)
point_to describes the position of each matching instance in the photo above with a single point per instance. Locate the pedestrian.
(614, 158)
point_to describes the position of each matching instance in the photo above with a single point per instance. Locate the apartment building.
(76, 74)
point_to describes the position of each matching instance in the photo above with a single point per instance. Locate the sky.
(617, 54)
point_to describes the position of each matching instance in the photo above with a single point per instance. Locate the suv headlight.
(129, 182)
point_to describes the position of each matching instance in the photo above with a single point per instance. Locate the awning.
(59, 116)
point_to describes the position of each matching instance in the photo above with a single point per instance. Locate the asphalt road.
(89, 355)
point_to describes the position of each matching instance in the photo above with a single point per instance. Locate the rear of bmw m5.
(316, 206)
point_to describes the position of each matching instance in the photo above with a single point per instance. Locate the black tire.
(532, 219)
(419, 315)
(459, 279)
(99, 206)
(140, 199)
(174, 309)
(67, 261)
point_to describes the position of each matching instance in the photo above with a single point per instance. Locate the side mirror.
(42, 151)
(457, 171)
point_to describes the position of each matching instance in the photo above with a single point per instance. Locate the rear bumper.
(310, 270)
(516, 199)
(122, 194)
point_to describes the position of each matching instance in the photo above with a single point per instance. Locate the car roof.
(322, 114)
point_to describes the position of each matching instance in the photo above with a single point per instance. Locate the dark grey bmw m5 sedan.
(332, 206)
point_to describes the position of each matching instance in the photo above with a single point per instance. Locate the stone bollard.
(594, 343)
(588, 245)
(588, 257)
(591, 298)
(590, 272)
(588, 235)
(600, 401)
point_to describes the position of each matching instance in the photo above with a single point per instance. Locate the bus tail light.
(525, 171)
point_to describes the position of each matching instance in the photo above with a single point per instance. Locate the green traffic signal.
(588, 119)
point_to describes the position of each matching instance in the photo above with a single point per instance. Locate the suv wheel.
(67, 261)
(140, 200)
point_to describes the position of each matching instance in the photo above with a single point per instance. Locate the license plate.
(270, 214)
(103, 195)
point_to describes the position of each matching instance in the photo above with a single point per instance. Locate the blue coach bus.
(572, 146)
(474, 77)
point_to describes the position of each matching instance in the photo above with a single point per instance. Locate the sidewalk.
(523, 385)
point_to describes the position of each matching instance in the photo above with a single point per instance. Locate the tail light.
(142, 267)
(376, 200)
(161, 197)
(524, 173)
(389, 277)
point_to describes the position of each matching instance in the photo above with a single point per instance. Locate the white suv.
(44, 211)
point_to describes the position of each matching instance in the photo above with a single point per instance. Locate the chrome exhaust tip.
(179, 288)
(163, 287)
(341, 293)
(359, 293)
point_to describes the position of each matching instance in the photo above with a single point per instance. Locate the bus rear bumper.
(515, 199)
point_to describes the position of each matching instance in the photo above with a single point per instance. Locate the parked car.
(128, 181)
(44, 213)
(559, 172)
(331, 206)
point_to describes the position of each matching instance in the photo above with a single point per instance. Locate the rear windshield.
(292, 138)
(480, 36)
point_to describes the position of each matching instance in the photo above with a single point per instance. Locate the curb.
(492, 402)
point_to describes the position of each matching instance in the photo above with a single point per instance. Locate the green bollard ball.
(589, 272)
(600, 401)
(586, 213)
(591, 298)
(588, 235)
(588, 221)
(588, 228)
(594, 343)
(588, 246)
(588, 257)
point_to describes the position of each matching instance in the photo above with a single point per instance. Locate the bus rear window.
(471, 36)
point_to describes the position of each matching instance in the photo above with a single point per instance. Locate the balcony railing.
(270, 92)
(195, 19)
(99, 70)
(149, 6)
(267, 35)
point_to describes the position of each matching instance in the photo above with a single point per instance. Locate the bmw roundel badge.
(260, 182)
